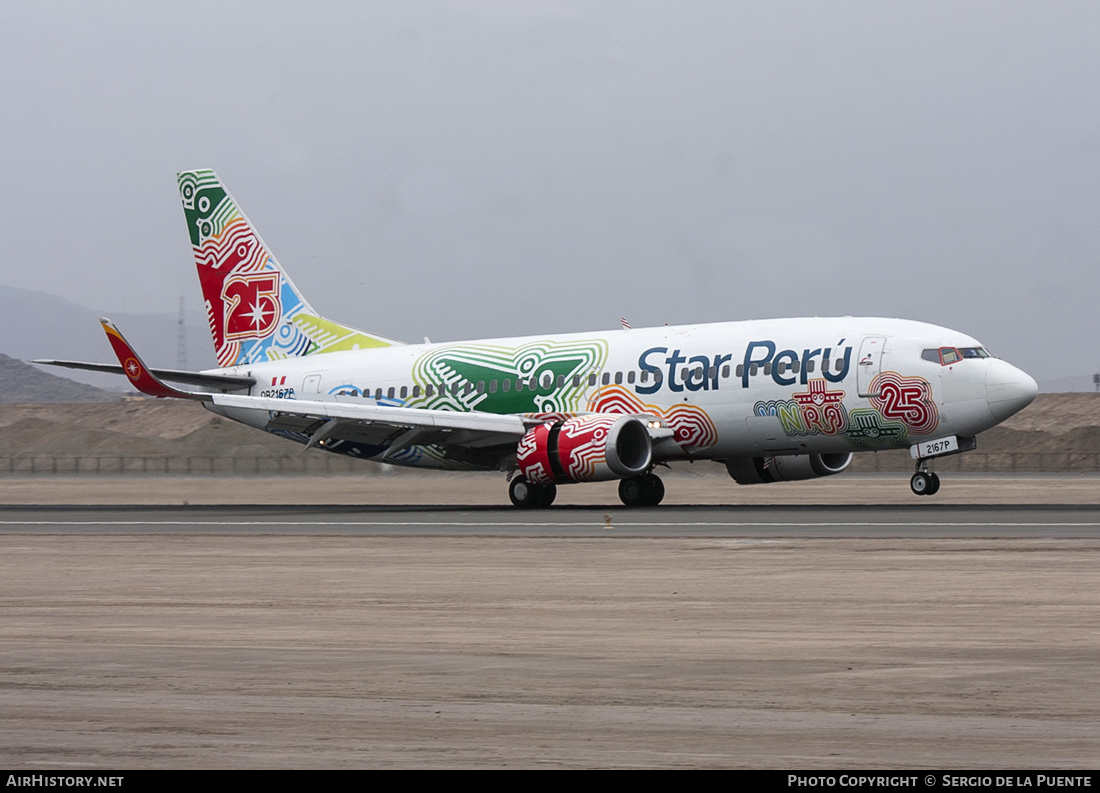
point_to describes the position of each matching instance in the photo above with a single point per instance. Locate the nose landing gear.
(924, 482)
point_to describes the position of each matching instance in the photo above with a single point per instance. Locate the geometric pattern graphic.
(867, 429)
(690, 424)
(907, 400)
(255, 312)
(822, 409)
(816, 411)
(903, 406)
(499, 379)
(581, 448)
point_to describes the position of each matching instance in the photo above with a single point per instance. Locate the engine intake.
(786, 468)
(591, 448)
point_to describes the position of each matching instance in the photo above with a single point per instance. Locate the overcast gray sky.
(466, 169)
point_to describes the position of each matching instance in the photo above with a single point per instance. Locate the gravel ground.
(130, 652)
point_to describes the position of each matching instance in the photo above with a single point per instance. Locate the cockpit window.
(949, 355)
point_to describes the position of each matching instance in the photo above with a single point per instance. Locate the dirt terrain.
(1053, 423)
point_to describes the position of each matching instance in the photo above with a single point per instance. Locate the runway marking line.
(483, 524)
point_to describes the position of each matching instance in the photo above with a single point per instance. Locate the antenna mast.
(181, 340)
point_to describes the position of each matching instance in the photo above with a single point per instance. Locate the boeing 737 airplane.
(772, 400)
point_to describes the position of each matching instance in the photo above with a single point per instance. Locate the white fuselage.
(733, 389)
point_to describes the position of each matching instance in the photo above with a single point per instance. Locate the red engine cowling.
(590, 448)
(786, 468)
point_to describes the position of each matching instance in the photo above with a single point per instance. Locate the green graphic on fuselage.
(867, 429)
(539, 377)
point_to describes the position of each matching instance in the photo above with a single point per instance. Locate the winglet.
(135, 369)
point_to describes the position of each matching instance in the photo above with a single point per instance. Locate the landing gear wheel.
(645, 490)
(935, 483)
(656, 489)
(545, 495)
(632, 491)
(921, 484)
(526, 495)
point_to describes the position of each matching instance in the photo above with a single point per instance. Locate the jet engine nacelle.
(786, 468)
(590, 448)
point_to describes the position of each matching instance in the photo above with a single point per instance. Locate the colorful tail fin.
(255, 311)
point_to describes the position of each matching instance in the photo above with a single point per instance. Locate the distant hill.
(20, 382)
(40, 325)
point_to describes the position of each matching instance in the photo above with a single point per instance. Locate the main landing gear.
(924, 482)
(645, 490)
(526, 495)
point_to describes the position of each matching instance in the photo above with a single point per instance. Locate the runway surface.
(806, 521)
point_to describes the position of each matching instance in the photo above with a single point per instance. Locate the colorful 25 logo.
(252, 305)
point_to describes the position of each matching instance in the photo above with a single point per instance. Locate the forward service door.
(869, 363)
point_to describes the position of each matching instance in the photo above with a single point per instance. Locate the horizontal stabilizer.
(214, 382)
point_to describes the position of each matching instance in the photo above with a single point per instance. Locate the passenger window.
(839, 365)
(740, 372)
(658, 376)
(519, 384)
(810, 364)
(389, 392)
(768, 368)
(630, 377)
(492, 386)
(592, 379)
(481, 386)
(781, 367)
(429, 390)
(404, 391)
(726, 372)
(606, 379)
(561, 381)
(506, 385)
(416, 391)
(645, 375)
(752, 370)
(378, 393)
(576, 381)
(618, 378)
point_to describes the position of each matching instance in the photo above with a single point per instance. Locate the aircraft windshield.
(949, 355)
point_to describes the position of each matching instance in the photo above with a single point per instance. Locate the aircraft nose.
(1008, 390)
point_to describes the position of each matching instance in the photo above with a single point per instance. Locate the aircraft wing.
(478, 437)
(394, 428)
